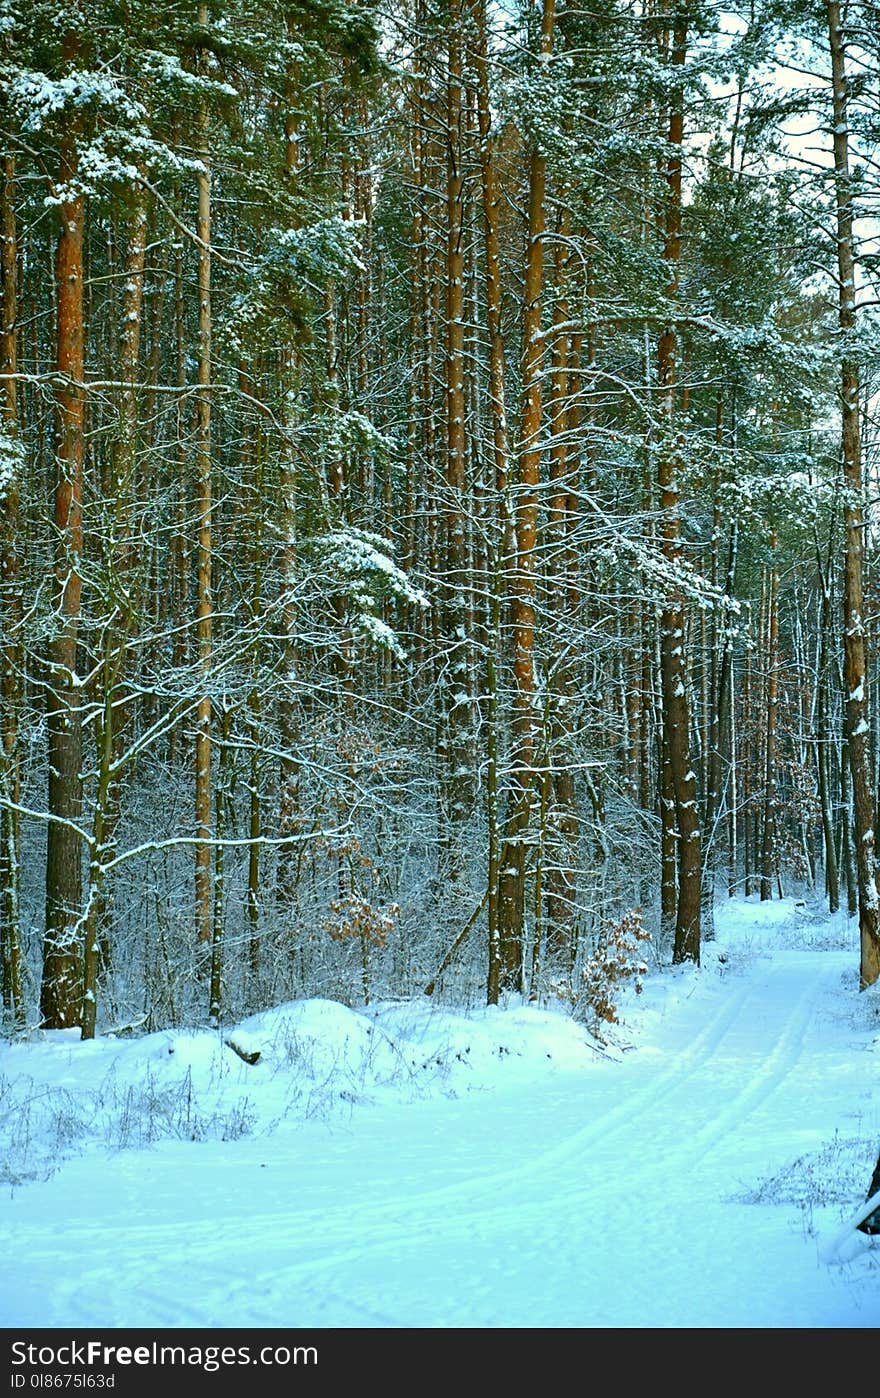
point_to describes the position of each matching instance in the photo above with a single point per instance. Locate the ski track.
(556, 1217)
(483, 1185)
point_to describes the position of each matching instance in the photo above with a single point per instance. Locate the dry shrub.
(617, 961)
(354, 916)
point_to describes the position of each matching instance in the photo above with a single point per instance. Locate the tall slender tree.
(673, 663)
(525, 721)
(62, 986)
(854, 621)
(11, 608)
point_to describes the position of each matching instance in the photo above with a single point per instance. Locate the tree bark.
(11, 612)
(719, 727)
(457, 744)
(61, 989)
(768, 845)
(558, 793)
(525, 721)
(824, 736)
(503, 541)
(113, 727)
(854, 628)
(673, 665)
(204, 511)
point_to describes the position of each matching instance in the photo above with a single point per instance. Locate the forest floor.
(410, 1166)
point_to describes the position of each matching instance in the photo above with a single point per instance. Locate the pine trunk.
(719, 726)
(11, 613)
(824, 735)
(768, 845)
(204, 906)
(854, 624)
(525, 721)
(673, 663)
(62, 982)
(457, 744)
(503, 541)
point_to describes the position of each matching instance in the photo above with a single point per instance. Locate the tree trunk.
(524, 723)
(558, 794)
(854, 631)
(503, 541)
(61, 989)
(824, 736)
(457, 741)
(121, 563)
(719, 727)
(98, 846)
(215, 998)
(252, 466)
(768, 845)
(11, 612)
(179, 562)
(673, 665)
(204, 506)
(290, 815)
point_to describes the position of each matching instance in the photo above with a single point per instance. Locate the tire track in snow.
(779, 1065)
(782, 1058)
(688, 1062)
(783, 1055)
(388, 1226)
(350, 1232)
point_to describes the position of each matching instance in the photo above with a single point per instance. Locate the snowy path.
(611, 1196)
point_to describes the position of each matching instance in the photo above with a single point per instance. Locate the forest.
(438, 480)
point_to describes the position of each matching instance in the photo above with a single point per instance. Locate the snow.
(39, 97)
(360, 556)
(408, 1165)
(12, 460)
(170, 69)
(377, 632)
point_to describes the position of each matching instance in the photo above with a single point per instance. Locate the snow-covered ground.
(408, 1166)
